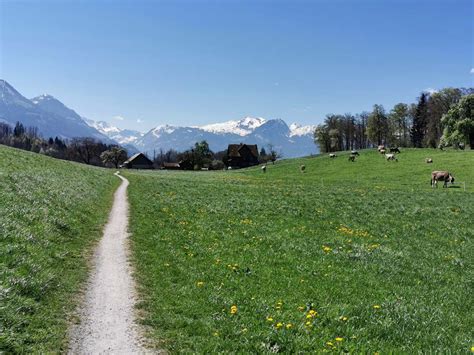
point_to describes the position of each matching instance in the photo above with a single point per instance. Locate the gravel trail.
(107, 313)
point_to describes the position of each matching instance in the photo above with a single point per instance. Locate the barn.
(138, 161)
(242, 155)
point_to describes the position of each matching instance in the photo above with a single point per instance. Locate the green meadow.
(345, 257)
(51, 213)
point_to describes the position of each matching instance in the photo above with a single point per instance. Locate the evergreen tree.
(420, 122)
(19, 130)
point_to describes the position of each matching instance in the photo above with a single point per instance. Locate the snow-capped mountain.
(50, 116)
(53, 118)
(299, 130)
(121, 136)
(241, 127)
(292, 141)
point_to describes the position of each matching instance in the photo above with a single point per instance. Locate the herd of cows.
(443, 176)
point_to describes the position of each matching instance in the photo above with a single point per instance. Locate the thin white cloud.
(431, 91)
(118, 118)
(139, 120)
(472, 70)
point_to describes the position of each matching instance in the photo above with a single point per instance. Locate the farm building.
(242, 155)
(138, 161)
(170, 166)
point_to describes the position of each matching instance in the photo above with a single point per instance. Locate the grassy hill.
(360, 256)
(51, 212)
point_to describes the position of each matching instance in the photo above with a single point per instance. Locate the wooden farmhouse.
(138, 161)
(242, 155)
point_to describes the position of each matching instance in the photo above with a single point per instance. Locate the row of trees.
(405, 125)
(82, 150)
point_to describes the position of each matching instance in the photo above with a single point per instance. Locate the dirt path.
(107, 314)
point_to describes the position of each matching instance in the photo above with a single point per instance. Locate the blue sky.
(196, 62)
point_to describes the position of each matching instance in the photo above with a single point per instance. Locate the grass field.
(359, 257)
(51, 212)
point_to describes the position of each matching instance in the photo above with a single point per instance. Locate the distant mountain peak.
(121, 136)
(242, 127)
(44, 97)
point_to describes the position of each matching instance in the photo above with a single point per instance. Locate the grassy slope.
(279, 244)
(50, 213)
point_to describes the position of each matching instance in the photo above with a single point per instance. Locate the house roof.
(171, 165)
(135, 156)
(234, 150)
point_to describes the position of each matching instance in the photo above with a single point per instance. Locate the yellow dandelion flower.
(312, 313)
(269, 319)
(326, 249)
(233, 309)
(309, 324)
(216, 334)
(289, 326)
(200, 284)
(329, 343)
(472, 349)
(376, 306)
(339, 339)
(343, 318)
(279, 325)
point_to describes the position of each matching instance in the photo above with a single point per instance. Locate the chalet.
(138, 161)
(170, 166)
(242, 155)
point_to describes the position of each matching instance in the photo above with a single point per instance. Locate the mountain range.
(53, 118)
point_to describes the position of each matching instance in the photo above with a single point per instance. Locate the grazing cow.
(429, 160)
(391, 157)
(332, 155)
(352, 158)
(382, 151)
(264, 168)
(441, 176)
(302, 168)
(354, 152)
(380, 147)
(394, 150)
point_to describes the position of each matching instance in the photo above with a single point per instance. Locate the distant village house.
(138, 161)
(242, 155)
(170, 166)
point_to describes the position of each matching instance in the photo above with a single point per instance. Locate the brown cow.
(441, 176)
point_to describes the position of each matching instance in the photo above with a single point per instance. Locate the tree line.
(83, 150)
(439, 119)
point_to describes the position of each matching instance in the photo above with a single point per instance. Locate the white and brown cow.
(441, 176)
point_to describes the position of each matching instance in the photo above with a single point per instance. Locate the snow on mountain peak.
(122, 136)
(241, 127)
(299, 130)
(163, 129)
(43, 97)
